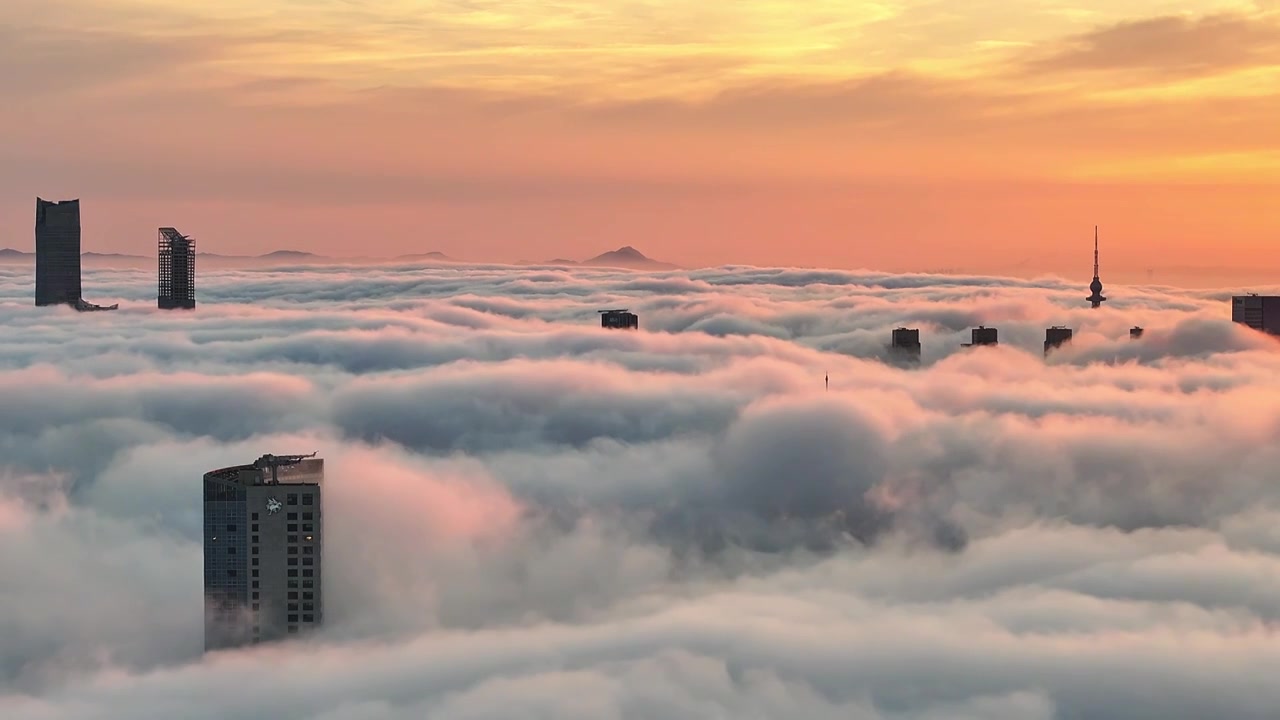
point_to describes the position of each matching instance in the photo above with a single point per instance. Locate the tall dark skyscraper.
(263, 527)
(177, 277)
(1096, 299)
(57, 252)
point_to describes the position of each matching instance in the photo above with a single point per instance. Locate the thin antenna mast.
(1096, 272)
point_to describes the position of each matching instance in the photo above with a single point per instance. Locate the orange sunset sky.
(958, 135)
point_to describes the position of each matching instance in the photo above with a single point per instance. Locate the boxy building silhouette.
(905, 345)
(983, 335)
(619, 320)
(1055, 337)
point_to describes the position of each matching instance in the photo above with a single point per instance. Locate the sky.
(970, 136)
(530, 517)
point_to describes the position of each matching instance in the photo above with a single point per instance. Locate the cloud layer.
(533, 517)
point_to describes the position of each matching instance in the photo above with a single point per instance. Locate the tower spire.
(1096, 299)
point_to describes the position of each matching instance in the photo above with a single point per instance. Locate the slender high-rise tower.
(1096, 286)
(57, 252)
(177, 276)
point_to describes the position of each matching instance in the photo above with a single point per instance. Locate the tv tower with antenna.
(1096, 286)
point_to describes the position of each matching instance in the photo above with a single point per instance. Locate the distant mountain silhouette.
(627, 257)
(624, 257)
(433, 255)
(110, 256)
(13, 256)
(289, 254)
(556, 261)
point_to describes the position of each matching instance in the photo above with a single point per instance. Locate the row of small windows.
(290, 516)
(305, 618)
(293, 573)
(293, 595)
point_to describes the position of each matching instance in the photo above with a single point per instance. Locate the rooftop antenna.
(828, 381)
(275, 462)
(1096, 264)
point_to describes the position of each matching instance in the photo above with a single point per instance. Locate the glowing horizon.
(892, 135)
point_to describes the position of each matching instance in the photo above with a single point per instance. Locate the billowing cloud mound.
(532, 517)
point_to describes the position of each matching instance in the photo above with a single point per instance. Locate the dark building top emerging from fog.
(263, 531)
(1135, 333)
(905, 344)
(1055, 337)
(177, 276)
(57, 252)
(983, 335)
(58, 256)
(619, 320)
(1260, 312)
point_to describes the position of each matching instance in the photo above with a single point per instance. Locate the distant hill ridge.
(624, 257)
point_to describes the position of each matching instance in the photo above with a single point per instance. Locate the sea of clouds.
(531, 517)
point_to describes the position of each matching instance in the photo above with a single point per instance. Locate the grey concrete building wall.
(57, 252)
(286, 591)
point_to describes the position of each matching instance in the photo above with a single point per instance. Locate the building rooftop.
(274, 469)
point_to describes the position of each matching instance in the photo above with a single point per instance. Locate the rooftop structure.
(1135, 333)
(1260, 312)
(177, 273)
(619, 320)
(263, 532)
(1055, 337)
(1095, 287)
